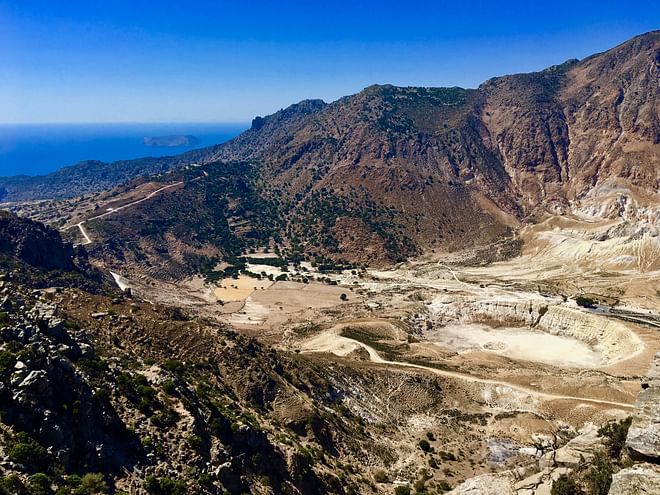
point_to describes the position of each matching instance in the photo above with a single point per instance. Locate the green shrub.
(12, 485)
(443, 486)
(169, 388)
(565, 485)
(92, 484)
(29, 453)
(165, 418)
(585, 302)
(173, 366)
(600, 475)
(39, 484)
(164, 486)
(402, 490)
(7, 361)
(616, 434)
(447, 456)
(380, 476)
(424, 445)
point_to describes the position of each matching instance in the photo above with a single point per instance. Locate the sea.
(37, 149)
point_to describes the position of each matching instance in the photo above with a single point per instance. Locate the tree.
(585, 302)
(616, 434)
(343, 297)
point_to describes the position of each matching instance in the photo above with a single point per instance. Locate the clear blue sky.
(194, 61)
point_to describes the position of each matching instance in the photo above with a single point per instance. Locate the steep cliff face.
(32, 253)
(33, 243)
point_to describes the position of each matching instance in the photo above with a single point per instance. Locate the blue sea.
(36, 149)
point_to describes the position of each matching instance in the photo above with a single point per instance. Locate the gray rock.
(17, 377)
(579, 448)
(644, 433)
(637, 480)
(86, 350)
(6, 304)
(37, 381)
(487, 484)
(653, 376)
(56, 329)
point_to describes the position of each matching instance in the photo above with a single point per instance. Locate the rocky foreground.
(593, 459)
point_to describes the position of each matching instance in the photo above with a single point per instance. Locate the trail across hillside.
(80, 225)
(331, 341)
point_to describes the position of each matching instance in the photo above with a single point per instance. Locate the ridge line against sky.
(137, 61)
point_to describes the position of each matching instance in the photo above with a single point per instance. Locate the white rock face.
(612, 339)
(641, 479)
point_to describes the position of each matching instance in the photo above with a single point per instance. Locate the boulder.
(36, 381)
(636, 480)
(578, 449)
(487, 484)
(644, 434)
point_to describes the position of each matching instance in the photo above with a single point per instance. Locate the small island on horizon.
(172, 141)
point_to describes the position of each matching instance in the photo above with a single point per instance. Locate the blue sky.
(194, 61)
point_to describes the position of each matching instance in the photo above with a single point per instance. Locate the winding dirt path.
(80, 226)
(330, 340)
(84, 233)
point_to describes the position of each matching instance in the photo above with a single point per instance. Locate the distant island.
(171, 141)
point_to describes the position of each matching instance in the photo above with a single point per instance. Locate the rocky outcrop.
(643, 439)
(33, 243)
(487, 484)
(641, 479)
(45, 395)
(611, 338)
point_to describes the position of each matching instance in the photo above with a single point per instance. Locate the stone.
(579, 448)
(86, 350)
(644, 434)
(56, 329)
(37, 381)
(6, 304)
(640, 479)
(653, 376)
(487, 484)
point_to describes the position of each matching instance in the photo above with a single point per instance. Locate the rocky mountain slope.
(557, 140)
(391, 171)
(103, 393)
(154, 401)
